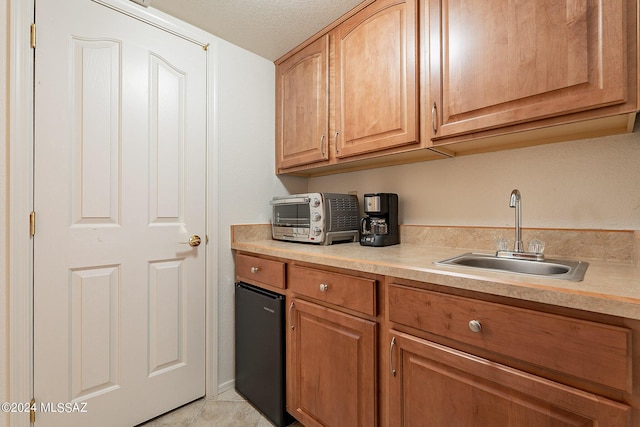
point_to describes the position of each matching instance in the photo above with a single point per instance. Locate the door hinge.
(33, 36)
(32, 411)
(32, 224)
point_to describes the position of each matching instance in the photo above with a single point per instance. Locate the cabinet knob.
(475, 326)
(323, 287)
(254, 270)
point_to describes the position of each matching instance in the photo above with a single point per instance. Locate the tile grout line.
(197, 414)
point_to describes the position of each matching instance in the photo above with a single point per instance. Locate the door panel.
(120, 140)
(96, 82)
(167, 144)
(166, 316)
(94, 307)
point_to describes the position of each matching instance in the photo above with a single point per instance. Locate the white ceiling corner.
(269, 28)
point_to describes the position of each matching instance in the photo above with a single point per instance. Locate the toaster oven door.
(294, 213)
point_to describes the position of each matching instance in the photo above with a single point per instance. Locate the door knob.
(194, 241)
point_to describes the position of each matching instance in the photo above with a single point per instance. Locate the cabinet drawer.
(351, 292)
(588, 350)
(260, 271)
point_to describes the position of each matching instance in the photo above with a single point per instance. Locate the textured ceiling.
(269, 28)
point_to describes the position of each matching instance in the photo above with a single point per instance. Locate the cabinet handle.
(322, 144)
(393, 344)
(475, 325)
(335, 137)
(323, 287)
(290, 318)
(254, 270)
(434, 110)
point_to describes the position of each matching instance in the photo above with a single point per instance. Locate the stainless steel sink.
(554, 268)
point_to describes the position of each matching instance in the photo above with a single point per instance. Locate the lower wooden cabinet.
(369, 351)
(332, 369)
(437, 386)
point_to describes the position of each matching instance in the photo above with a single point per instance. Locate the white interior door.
(120, 137)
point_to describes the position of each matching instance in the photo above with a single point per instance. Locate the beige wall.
(587, 184)
(246, 173)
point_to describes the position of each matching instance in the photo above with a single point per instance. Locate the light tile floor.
(228, 409)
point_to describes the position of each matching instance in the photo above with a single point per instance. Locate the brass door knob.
(195, 240)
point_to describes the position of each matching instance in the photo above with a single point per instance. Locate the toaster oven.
(321, 218)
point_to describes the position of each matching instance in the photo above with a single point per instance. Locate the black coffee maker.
(380, 226)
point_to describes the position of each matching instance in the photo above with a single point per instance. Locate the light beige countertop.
(610, 286)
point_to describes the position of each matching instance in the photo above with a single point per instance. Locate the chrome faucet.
(518, 246)
(516, 202)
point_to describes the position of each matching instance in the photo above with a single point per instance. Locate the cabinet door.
(495, 63)
(332, 367)
(438, 386)
(302, 122)
(376, 79)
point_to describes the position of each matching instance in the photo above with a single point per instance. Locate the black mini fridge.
(260, 351)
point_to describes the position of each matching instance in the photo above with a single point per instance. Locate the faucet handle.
(502, 244)
(536, 246)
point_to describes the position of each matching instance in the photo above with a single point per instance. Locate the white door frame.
(20, 101)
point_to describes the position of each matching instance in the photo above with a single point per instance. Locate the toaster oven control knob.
(315, 203)
(317, 216)
(316, 231)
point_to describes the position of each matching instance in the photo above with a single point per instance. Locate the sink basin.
(554, 268)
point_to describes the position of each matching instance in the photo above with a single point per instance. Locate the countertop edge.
(546, 291)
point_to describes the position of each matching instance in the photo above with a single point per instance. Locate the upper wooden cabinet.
(302, 113)
(494, 63)
(376, 90)
(352, 94)
(404, 80)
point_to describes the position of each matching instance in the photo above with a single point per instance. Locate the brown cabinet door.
(302, 122)
(438, 386)
(495, 63)
(376, 91)
(332, 370)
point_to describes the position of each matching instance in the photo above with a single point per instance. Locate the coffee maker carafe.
(380, 225)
